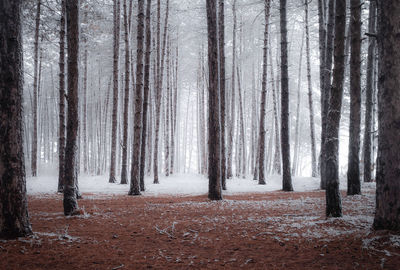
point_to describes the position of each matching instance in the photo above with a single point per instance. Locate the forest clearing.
(272, 230)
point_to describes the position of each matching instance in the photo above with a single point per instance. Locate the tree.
(310, 96)
(285, 144)
(71, 178)
(35, 92)
(115, 91)
(387, 214)
(146, 94)
(353, 173)
(222, 81)
(124, 169)
(135, 171)
(333, 200)
(214, 129)
(61, 134)
(14, 218)
(261, 136)
(369, 92)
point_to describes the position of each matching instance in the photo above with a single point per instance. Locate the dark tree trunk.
(146, 95)
(214, 129)
(14, 218)
(369, 93)
(135, 170)
(333, 200)
(70, 195)
(310, 97)
(221, 45)
(325, 95)
(285, 142)
(36, 83)
(115, 91)
(353, 173)
(262, 131)
(124, 168)
(61, 134)
(387, 214)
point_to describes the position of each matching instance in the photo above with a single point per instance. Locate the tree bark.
(353, 173)
(14, 218)
(333, 200)
(70, 192)
(214, 129)
(369, 93)
(61, 132)
(135, 170)
(285, 142)
(387, 214)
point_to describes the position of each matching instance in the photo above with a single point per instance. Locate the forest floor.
(274, 230)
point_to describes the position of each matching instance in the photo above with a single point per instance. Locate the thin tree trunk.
(285, 142)
(115, 91)
(167, 112)
(353, 173)
(333, 200)
(14, 218)
(242, 143)
(174, 108)
(70, 192)
(214, 129)
(369, 94)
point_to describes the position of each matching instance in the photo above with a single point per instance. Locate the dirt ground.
(275, 230)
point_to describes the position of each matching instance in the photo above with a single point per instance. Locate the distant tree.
(71, 177)
(14, 218)
(285, 143)
(214, 129)
(333, 200)
(353, 173)
(387, 214)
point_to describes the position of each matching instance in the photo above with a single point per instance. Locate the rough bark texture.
(114, 124)
(326, 86)
(70, 196)
(285, 142)
(214, 129)
(146, 95)
(333, 200)
(35, 92)
(61, 132)
(262, 131)
(124, 167)
(14, 218)
(369, 93)
(387, 214)
(353, 173)
(222, 81)
(310, 97)
(135, 170)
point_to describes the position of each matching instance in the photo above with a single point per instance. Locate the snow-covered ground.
(179, 184)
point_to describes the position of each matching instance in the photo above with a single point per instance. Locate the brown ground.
(254, 231)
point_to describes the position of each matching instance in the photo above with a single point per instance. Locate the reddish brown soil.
(253, 231)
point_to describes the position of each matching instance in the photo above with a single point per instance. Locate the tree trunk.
(285, 142)
(135, 170)
(115, 91)
(14, 218)
(167, 111)
(369, 93)
(70, 192)
(61, 132)
(214, 129)
(387, 214)
(310, 97)
(333, 200)
(325, 95)
(146, 95)
(124, 168)
(36, 83)
(353, 173)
